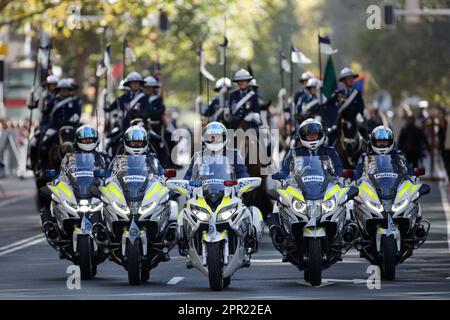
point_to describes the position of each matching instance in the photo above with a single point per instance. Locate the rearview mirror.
(424, 189)
(352, 193)
(100, 174)
(179, 186)
(348, 174)
(418, 172)
(95, 192)
(170, 173)
(50, 173)
(248, 184)
(279, 176)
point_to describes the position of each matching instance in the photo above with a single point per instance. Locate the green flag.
(329, 79)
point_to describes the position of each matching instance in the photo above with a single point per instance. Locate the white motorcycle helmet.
(215, 136)
(136, 140)
(311, 134)
(150, 82)
(382, 140)
(86, 138)
(51, 79)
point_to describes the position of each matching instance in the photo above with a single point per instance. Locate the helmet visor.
(382, 138)
(311, 132)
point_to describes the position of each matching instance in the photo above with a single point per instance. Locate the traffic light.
(389, 15)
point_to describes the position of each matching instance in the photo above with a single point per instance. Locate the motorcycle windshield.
(385, 172)
(212, 171)
(312, 174)
(213, 167)
(133, 173)
(80, 171)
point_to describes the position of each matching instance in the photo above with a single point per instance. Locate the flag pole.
(320, 76)
(280, 58)
(291, 85)
(225, 46)
(200, 78)
(124, 60)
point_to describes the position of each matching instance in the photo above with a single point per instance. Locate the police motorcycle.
(73, 212)
(219, 231)
(137, 211)
(311, 203)
(388, 213)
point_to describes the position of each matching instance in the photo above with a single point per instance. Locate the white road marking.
(26, 245)
(175, 280)
(324, 283)
(13, 200)
(446, 207)
(17, 243)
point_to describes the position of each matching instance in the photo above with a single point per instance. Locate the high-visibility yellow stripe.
(342, 192)
(114, 190)
(202, 203)
(225, 202)
(181, 190)
(364, 187)
(405, 188)
(284, 193)
(65, 189)
(155, 188)
(331, 193)
(243, 190)
(308, 229)
(295, 193)
(106, 191)
(55, 189)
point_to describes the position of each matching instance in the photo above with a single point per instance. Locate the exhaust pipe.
(50, 231)
(350, 232)
(99, 233)
(277, 235)
(171, 234)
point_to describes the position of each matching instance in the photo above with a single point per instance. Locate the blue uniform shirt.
(321, 151)
(240, 168)
(251, 105)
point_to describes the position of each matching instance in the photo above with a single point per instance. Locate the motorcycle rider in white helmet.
(381, 143)
(135, 142)
(215, 151)
(86, 142)
(312, 138)
(222, 87)
(303, 80)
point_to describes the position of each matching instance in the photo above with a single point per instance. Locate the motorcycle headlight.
(145, 209)
(328, 205)
(121, 208)
(397, 207)
(201, 215)
(227, 214)
(374, 206)
(299, 206)
(71, 205)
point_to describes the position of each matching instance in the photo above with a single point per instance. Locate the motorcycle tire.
(389, 258)
(315, 262)
(215, 266)
(84, 248)
(134, 265)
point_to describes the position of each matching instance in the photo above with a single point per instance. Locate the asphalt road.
(31, 269)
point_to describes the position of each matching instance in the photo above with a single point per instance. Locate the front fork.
(133, 233)
(84, 230)
(391, 230)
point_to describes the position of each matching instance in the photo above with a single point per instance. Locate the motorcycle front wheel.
(314, 262)
(389, 258)
(85, 250)
(134, 265)
(214, 261)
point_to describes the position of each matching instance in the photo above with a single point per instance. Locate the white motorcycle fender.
(132, 234)
(173, 210)
(311, 230)
(85, 229)
(391, 230)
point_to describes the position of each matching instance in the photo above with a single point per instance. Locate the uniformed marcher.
(353, 108)
(243, 103)
(303, 80)
(310, 105)
(132, 102)
(213, 109)
(154, 108)
(65, 110)
(43, 104)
